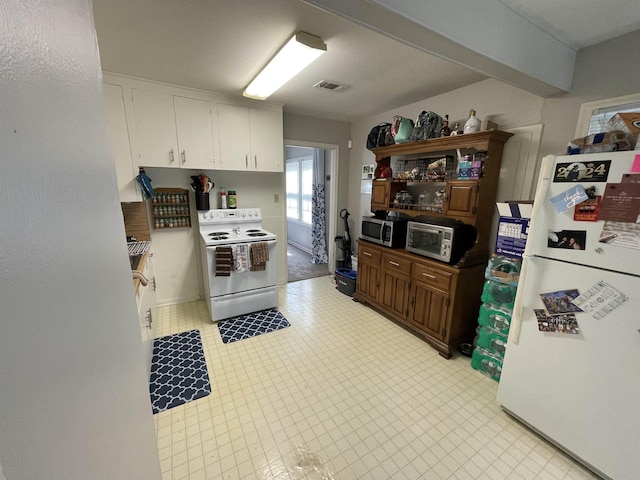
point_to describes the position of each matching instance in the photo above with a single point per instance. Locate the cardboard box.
(488, 125)
(629, 123)
(513, 228)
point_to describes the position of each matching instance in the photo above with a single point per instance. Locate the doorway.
(310, 194)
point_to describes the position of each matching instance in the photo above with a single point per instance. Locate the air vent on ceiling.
(331, 86)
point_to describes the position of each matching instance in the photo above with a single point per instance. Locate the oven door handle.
(213, 247)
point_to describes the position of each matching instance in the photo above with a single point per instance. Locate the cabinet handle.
(184, 157)
(255, 161)
(395, 264)
(246, 161)
(367, 254)
(171, 159)
(154, 283)
(429, 276)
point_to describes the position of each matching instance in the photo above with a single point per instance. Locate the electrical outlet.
(276, 198)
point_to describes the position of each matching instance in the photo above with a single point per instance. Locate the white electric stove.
(242, 291)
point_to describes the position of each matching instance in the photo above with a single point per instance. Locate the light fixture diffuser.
(302, 49)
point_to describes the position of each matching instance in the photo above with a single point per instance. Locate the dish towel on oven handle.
(259, 253)
(224, 261)
(241, 257)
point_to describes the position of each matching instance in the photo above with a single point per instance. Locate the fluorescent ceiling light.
(296, 54)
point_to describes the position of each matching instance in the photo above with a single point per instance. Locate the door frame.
(331, 215)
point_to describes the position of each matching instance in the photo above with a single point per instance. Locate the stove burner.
(257, 234)
(212, 234)
(252, 230)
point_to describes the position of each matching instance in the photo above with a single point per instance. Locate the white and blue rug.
(178, 371)
(251, 324)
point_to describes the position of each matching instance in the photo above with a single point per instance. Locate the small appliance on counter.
(443, 239)
(389, 233)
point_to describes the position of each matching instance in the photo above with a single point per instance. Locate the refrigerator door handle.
(516, 318)
(544, 181)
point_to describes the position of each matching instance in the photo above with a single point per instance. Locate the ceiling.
(220, 45)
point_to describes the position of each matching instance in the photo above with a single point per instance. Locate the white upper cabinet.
(173, 131)
(156, 129)
(194, 127)
(235, 143)
(250, 138)
(266, 139)
(120, 145)
(157, 125)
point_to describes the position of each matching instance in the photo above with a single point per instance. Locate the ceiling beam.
(483, 35)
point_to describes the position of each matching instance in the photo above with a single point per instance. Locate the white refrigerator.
(572, 364)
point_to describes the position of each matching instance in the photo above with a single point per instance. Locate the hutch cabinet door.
(368, 278)
(380, 195)
(395, 285)
(461, 198)
(428, 310)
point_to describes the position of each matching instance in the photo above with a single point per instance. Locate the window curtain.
(318, 228)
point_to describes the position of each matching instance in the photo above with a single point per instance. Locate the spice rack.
(170, 208)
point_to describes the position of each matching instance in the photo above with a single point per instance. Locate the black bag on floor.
(380, 136)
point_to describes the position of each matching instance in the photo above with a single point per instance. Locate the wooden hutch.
(439, 302)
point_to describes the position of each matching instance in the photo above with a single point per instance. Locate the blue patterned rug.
(178, 371)
(252, 324)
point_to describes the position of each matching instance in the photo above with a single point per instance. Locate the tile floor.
(341, 394)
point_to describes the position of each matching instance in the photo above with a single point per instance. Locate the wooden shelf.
(170, 209)
(471, 141)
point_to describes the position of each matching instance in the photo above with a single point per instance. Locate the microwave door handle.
(382, 232)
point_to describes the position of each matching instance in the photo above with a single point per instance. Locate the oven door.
(245, 281)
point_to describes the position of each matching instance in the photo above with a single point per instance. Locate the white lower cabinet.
(250, 138)
(146, 301)
(120, 144)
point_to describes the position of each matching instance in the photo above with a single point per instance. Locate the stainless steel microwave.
(443, 240)
(390, 233)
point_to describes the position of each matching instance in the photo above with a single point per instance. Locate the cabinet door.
(233, 130)
(461, 198)
(428, 309)
(380, 195)
(395, 285)
(368, 278)
(120, 144)
(266, 140)
(146, 300)
(195, 140)
(156, 129)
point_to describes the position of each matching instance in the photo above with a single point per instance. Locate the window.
(299, 189)
(594, 116)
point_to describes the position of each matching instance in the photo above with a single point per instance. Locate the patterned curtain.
(318, 233)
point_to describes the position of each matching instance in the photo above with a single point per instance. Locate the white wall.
(607, 70)
(506, 105)
(73, 383)
(317, 130)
